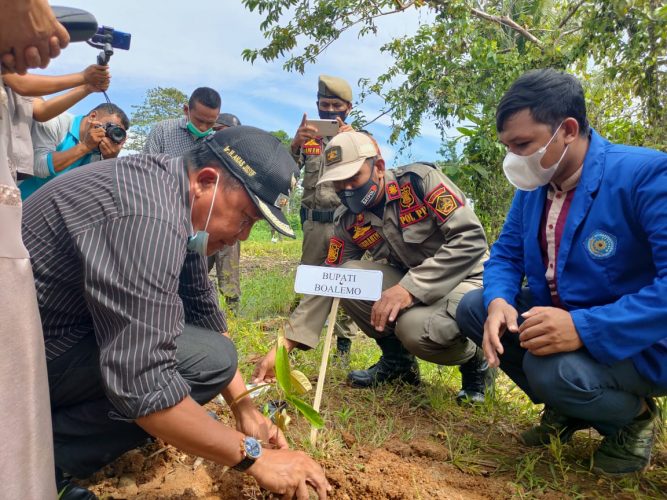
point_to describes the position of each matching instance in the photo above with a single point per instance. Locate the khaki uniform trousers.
(316, 236)
(429, 332)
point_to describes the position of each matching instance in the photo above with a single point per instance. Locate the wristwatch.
(251, 450)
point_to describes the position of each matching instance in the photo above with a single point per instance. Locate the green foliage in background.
(465, 54)
(160, 103)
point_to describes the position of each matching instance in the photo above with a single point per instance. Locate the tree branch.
(510, 23)
(569, 15)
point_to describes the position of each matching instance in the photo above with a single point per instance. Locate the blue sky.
(191, 44)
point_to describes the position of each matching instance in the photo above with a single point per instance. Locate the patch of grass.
(481, 440)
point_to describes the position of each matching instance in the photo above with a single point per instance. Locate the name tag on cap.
(360, 284)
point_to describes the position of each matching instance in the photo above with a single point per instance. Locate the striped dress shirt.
(108, 248)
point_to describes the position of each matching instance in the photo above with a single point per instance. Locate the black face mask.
(332, 115)
(359, 199)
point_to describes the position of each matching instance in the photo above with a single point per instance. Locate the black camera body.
(114, 132)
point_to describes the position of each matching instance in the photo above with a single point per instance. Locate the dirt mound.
(397, 471)
(406, 471)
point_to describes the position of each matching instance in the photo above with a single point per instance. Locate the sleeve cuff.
(419, 294)
(589, 338)
(132, 408)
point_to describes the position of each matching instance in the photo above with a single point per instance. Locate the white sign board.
(360, 284)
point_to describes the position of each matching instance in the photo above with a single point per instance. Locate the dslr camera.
(114, 132)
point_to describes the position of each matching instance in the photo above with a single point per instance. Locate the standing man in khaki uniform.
(418, 220)
(319, 201)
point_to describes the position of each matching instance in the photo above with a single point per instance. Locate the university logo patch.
(312, 148)
(334, 155)
(443, 202)
(601, 245)
(335, 252)
(393, 191)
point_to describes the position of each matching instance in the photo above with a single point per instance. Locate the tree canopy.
(454, 69)
(160, 103)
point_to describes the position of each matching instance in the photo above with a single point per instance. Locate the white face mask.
(198, 242)
(526, 172)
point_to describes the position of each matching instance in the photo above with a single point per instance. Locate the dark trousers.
(572, 383)
(85, 437)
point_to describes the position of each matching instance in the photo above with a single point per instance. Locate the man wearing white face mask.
(176, 136)
(135, 341)
(588, 230)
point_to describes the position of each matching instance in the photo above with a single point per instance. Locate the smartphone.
(325, 128)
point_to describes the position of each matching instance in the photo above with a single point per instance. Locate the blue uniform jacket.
(612, 260)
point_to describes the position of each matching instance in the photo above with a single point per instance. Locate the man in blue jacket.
(588, 230)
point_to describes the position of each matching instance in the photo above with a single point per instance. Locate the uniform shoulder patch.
(408, 198)
(442, 201)
(312, 147)
(393, 191)
(335, 252)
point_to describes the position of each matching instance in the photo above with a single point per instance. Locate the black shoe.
(343, 346)
(476, 379)
(553, 425)
(396, 364)
(233, 303)
(69, 491)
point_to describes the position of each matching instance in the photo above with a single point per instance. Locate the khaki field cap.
(333, 87)
(345, 154)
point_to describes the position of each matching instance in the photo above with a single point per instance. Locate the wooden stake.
(323, 365)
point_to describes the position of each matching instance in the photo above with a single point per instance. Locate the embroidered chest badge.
(312, 148)
(365, 237)
(601, 244)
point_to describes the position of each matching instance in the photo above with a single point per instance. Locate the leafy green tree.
(454, 69)
(160, 103)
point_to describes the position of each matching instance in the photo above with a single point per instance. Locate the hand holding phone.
(325, 128)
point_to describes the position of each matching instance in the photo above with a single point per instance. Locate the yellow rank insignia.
(443, 202)
(333, 155)
(393, 192)
(335, 252)
(359, 232)
(312, 148)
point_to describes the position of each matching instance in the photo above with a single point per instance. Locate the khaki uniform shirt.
(311, 160)
(427, 230)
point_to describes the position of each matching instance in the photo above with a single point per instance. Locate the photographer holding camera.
(68, 141)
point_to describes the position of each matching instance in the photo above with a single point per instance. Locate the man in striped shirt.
(132, 328)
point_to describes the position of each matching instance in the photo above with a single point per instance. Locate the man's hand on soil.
(289, 473)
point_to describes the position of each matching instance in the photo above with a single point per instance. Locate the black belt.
(316, 215)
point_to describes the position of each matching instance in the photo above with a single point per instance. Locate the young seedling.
(292, 384)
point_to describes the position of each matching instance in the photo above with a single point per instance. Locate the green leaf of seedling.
(283, 370)
(307, 411)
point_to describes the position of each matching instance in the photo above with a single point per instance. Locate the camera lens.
(115, 133)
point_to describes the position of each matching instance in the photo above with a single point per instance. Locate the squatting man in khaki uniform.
(319, 201)
(418, 220)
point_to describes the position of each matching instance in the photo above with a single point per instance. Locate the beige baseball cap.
(345, 154)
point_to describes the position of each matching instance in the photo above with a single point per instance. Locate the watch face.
(252, 447)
